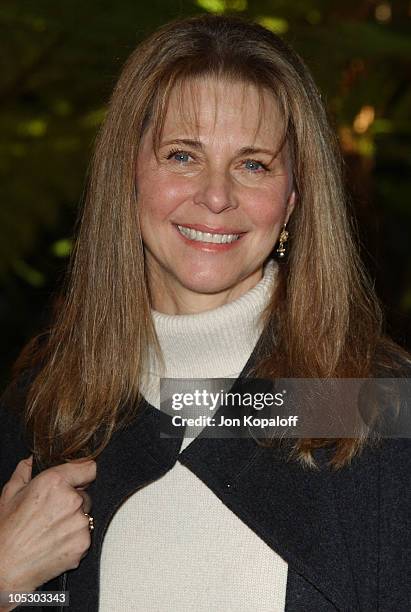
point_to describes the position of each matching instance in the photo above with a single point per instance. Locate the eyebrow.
(197, 144)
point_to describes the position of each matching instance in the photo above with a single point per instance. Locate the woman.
(215, 160)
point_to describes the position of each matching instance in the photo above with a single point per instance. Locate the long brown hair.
(323, 319)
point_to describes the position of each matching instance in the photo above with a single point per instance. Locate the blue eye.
(253, 165)
(180, 156)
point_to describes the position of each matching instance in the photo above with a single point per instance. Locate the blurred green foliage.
(60, 61)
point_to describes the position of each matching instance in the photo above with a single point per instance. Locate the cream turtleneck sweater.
(202, 558)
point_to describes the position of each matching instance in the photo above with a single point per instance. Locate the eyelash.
(173, 152)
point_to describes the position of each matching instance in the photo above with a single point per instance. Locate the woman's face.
(216, 177)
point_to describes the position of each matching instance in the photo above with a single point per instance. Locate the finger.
(86, 507)
(21, 476)
(78, 474)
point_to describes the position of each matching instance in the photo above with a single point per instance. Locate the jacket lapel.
(126, 465)
(293, 510)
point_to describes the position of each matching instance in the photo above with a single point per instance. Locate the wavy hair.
(323, 319)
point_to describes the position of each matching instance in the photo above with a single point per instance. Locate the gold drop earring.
(283, 239)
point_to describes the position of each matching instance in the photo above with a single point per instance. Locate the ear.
(290, 205)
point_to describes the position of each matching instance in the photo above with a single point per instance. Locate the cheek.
(159, 196)
(266, 209)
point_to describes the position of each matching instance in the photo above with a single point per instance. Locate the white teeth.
(206, 236)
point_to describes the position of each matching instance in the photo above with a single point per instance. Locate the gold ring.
(90, 521)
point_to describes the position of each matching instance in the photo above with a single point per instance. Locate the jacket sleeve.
(395, 526)
(14, 443)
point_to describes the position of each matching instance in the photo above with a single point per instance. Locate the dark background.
(59, 63)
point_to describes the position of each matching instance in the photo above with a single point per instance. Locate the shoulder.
(377, 481)
(395, 471)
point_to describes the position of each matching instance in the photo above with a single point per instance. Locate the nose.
(216, 191)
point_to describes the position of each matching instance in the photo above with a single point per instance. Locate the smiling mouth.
(199, 236)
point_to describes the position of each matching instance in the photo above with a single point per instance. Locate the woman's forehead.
(196, 106)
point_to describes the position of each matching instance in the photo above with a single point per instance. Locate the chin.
(206, 284)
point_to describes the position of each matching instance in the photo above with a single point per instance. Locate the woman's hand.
(43, 529)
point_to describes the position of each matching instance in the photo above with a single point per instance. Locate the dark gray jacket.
(345, 535)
